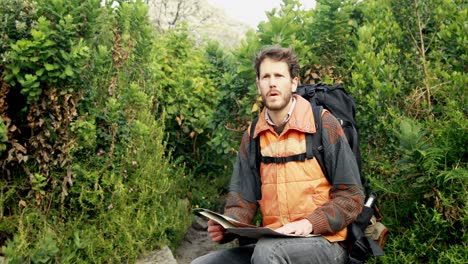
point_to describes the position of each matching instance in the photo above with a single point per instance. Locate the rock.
(197, 242)
(199, 223)
(161, 256)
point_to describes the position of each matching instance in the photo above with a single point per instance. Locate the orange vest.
(292, 190)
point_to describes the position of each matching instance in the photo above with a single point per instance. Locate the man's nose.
(273, 82)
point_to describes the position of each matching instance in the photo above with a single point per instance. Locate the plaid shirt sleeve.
(241, 202)
(347, 196)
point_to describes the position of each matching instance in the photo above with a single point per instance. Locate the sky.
(252, 12)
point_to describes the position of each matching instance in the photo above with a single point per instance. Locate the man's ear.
(258, 85)
(294, 84)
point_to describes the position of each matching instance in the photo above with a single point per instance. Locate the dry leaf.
(38, 198)
(12, 128)
(19, 147)
(255, 108)
(180, 119)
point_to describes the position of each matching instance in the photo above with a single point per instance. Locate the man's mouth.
(273, 93)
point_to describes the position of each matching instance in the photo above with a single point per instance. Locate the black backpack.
(336, 100)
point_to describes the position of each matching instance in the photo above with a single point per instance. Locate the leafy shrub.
(93, 182)
(107, 128)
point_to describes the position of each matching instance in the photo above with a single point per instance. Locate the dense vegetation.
(113, 130)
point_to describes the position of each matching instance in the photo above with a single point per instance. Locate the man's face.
(275, 84)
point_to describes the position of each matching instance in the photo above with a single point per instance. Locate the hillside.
(204, 20)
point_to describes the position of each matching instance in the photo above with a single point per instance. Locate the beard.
(279, 104)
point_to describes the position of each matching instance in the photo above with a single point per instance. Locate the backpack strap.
(252, 145)
(298, 157)
(314, 141)
(254, 160)
(314, 147)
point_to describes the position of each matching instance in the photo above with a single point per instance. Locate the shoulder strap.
(252, 146)
(314, 142)
(314, 147)
(254, 158)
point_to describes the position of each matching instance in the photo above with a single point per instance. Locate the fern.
(418, 156)
(460, 174)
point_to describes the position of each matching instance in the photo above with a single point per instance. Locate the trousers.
(279, 251)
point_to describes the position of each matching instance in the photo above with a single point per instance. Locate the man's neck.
(278, 117)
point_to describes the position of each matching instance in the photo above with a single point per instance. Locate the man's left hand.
(300, 227)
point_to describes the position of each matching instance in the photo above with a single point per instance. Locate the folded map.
(241, 229)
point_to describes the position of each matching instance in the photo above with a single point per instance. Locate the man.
(294, 197)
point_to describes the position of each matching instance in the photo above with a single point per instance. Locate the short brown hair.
(278, 53)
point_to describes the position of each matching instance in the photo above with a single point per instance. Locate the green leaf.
(36, 34)
(69, 70)
(15, 69)
(50, 67)
(48, 43)
(15, 47)
(34, 59)
(40, 71)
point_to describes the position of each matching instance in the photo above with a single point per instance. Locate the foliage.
(3, 136)
(377, 82)
(405, 72)
(330, 31)
(86, 175)
(16, 21)
(44, 58)
(284, 27)
(403, 82)
(185, 93)
(108, 126)
(233, 110)
(431, 213)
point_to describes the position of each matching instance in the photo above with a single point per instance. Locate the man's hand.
(216, 231)
(300, 227)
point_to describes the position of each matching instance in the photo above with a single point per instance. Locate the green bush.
(108, 128)
(94, 181)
